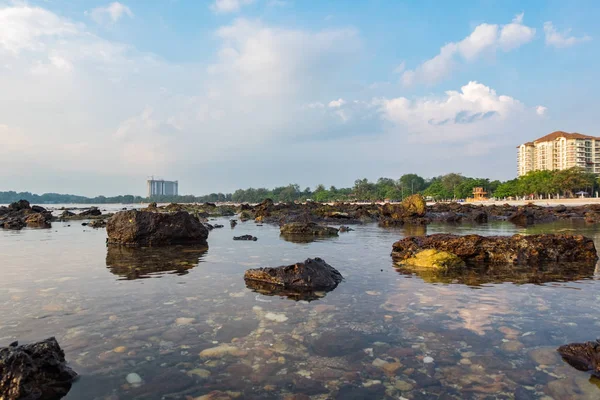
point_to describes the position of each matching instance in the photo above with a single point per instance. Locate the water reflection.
(269, 289)
(131, 263)
(301, 239)
(517, 274)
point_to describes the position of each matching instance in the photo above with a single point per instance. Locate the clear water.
(382, 333)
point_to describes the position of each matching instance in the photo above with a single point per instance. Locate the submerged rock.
(34, 371)
(582, 356)
(311, 275)
(246, 237)
(144, 228)
(517, 249)
(307, 229)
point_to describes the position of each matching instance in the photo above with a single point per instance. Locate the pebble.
(221, 351)
(276, 317)
(184, 321)
(120, 349)
(428, 360)
(403, 386)
(202, 373)
(133, 379)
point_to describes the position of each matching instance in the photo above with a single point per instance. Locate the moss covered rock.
(435, 259)
(414, 205)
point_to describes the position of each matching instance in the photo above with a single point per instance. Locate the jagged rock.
(34, 371)
(246, 237)
(66, 214)
(19, 205)
(92, 212)
(216, 226)
(517, 249)
(14, 223)
(233, 223)
(311, 275)
(582, 356)
(308, 229)
(38, 220)
(144, 228)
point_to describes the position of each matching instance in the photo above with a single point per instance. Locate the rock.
(66, 214)
(414, 205)
(428, 360)
(517, 249)
(133, 379)
(217, 226)
(246, 237)
(582, 356)
(522, 218)
(97, 223)
(19, 205)
(544, 356)
(307, 229)
(222, 351)
(436, 259)
(144, 228)
(12, 223)
(276, 317)
(34, 371)
(338, 343)
(345, 229)
(312, 274)
(92, 212)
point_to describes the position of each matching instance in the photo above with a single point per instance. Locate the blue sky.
(221, 94)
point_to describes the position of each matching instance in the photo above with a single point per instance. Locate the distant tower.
(160, 187)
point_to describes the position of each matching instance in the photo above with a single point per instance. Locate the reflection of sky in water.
(482, 338)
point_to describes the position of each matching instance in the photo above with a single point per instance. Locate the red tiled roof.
(558, 134)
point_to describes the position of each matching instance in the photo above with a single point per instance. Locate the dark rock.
(480, 217)
(92, 212)
(14, 223)
(38, 209)
(517, 249)
(308, 229)
(522, 218)
(582, 356)
(345, 229)
(246, 237)
(34, 371)
(66, 214)
(143, 228)
(216, 226)
(312, 274)
(19, 205)
(233, 223)
(208, 226)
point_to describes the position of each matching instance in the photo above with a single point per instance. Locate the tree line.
(452, 186)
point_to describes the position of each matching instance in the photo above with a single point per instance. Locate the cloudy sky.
(97, 96)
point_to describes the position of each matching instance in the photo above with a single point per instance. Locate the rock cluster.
(145, 228)
(308, 229)
(517, 249)
(246, 237)
(21, 214)
(34, 371)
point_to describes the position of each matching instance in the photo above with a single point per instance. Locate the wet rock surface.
(310, 275)
(21, 214)
(144, 228)
(34, 371)
(582, 356)
(307, 229)
(517, 249)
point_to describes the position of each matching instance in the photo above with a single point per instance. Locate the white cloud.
(484, 38)
(541, 110)
(112, 13)
(453, 116)
(336, 103)
(561, 39)
(229, 6)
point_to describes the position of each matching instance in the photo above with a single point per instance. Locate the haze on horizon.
(96, 96)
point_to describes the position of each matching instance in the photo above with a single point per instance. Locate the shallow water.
(382, 333)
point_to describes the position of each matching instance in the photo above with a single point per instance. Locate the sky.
(97, 96)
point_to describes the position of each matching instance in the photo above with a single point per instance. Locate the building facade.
(162, 188)
(559, 150)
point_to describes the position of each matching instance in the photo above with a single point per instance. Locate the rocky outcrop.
(34, 371)
(308, 276)
(517, 249)
(522, 218)
(246, 237)
(307, 229)
(412, 211)
(92, 212)
(582, 356)
(414, 206)
(144, 228)
(20, 214)
(436, 259)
